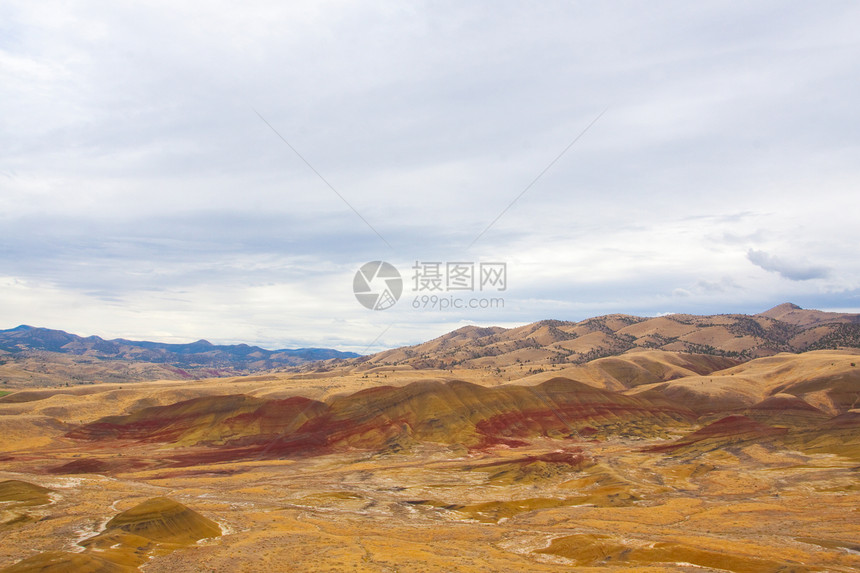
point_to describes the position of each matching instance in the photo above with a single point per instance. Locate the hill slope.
(826, 380)
(450, 412)
(785, 328)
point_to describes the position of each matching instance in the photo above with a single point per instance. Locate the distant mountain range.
(127, 360)
(784, 328)
(31, 356)
(712, 382)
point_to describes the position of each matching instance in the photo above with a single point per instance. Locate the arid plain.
(672, 444)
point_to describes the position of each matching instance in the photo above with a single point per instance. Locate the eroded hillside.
(652, 460)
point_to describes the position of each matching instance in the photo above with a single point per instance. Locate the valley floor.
(653, 462)
(554, 504)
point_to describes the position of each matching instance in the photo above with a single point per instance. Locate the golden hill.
(66, 562)
(640, 393)
(636, 368)
(23, 493)
(508, 353)
(162, 520)
(839, 435)
(826, 380)
(651, 460)
(729, 431)
(449, 412)
(155, 526)
(785, 328)
(592, 550)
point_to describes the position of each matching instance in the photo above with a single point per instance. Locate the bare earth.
(761, 475)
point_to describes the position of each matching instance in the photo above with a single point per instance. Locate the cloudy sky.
(176, 171)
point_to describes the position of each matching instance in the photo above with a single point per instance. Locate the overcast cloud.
(792, 271)
(142, 196)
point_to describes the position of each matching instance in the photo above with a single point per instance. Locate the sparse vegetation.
(681, 462)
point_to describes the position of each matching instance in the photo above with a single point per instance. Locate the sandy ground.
(437, 509)
(750, 507)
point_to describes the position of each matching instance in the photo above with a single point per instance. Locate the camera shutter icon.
(377, 285)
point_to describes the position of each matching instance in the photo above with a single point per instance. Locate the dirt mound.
(602, 550)
(785, 402)
(732, 430)
(787, 410)
(22, 432)
(65, 562)
(839, 435)
(156, 525)
(23, 492)
(81, 466)
(826, 380)
(165, 521)
(637, 367)
(208, 419)
(534, 468)
(850, 420)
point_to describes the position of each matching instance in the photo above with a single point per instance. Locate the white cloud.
(137, 183)
(791, 270)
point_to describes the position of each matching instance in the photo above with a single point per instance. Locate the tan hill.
(22, 503)
(63, 562)
(785, 410)
(450, 412)
(585, 549)
(34, 430)
(210, 419)
(793, 314)
(609, 396)
(729, 431)
(36, 357)
(651, 460)
(23, 493)
(40, 414)
(635, 368)
(157, 525)
(839, 435)
(785, 328)
(826, 380)
(35, 369)
(162, 520)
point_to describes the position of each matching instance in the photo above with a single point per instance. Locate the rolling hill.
(784, 328)
(827, 380)
(452, 412)
(758, 399)
(654, 457)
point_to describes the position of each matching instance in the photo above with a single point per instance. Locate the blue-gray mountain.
(202, 353)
